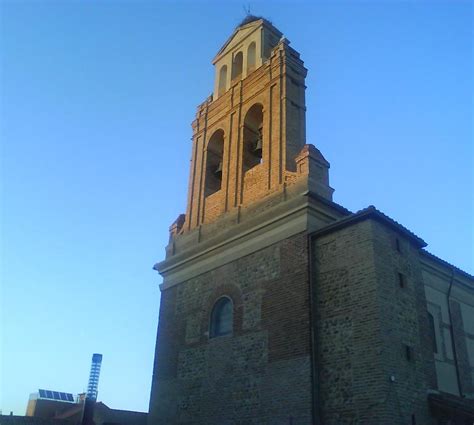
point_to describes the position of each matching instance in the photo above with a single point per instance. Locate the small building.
(48, 404)
(57, 408)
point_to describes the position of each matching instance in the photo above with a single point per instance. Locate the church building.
(281, 307)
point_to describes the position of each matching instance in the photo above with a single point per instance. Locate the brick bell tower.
(234, 337)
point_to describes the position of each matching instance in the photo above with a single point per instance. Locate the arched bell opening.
(222, 80)
(253, 137)
(214, 164)
(237, 66)
(251, 57)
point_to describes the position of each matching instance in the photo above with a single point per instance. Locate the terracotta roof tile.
(375, 214)
(446, 264)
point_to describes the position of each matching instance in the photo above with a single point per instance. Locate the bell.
(218, 171)
(258, 147)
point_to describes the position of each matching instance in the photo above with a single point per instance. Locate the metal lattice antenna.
(93, 386)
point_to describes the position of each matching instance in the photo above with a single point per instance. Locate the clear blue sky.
(97, 97)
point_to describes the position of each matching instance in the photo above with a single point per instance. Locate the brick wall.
(255, 186)
(278, 86)
(214, 206)
(259, 375)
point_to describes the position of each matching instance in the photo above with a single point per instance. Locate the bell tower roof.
(247, 49)
(249, 18)
(248, 25)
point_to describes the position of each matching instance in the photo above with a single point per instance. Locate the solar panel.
(56, 395)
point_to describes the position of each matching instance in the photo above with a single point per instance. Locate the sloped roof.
(446, 264)
(116, 416)
(375, 214)
(248, 19)
(74, 410)
(248, 22)
(104, 414)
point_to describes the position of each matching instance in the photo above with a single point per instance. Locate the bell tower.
(247, 135)
(234, 339)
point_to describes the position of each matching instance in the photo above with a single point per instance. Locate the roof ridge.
(372, 211)
(446, 263)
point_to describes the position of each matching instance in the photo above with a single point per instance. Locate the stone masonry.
(259, 375)
(365, 321)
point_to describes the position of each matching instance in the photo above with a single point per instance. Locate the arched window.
(237, 65)
(222, 80)
(253, 137)
(251, 57)
(214, 164)
(221, 318)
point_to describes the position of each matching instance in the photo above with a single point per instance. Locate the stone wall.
(365, 322)
(404, 324)
(259, 375)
